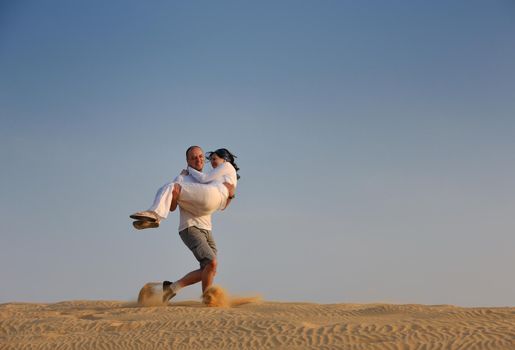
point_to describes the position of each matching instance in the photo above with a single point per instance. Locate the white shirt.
(187, 219)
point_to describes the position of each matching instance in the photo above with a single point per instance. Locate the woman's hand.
(184, 172)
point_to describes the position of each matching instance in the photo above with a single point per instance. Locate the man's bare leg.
(208, 275)
(190, 278)
(170, 289)
(175, 196)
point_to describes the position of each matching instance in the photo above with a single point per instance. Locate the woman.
(209, 195)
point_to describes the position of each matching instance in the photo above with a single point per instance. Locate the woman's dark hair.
(228, 156)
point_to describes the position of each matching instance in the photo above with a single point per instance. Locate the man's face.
(195, 158)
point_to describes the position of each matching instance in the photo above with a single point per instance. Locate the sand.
(265, 325)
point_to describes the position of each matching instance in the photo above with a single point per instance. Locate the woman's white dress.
(203, 198)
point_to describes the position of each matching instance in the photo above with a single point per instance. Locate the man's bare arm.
(232, 190)
(175, 196)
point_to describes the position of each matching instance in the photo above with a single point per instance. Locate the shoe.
(141, 225)
(168, 293)
(148, 215)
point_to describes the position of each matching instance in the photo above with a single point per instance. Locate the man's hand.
(184, 172)
(230, 187)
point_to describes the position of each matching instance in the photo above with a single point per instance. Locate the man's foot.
(168, 292)
(141, 225)
(148, 215)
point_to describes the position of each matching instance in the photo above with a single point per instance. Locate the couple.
(198, 195)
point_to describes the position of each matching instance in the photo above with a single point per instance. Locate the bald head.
(195, 157)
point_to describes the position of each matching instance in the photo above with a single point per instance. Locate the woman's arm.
(215, 174)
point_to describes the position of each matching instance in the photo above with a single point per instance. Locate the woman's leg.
(163, 200)
(198, 199)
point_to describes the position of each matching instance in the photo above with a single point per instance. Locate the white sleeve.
(215, 174)
(179, 179)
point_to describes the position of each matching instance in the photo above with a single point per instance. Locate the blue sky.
(375, 140)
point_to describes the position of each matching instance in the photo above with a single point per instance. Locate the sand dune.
(267, 325)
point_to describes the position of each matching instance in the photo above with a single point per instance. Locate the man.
(195, 232)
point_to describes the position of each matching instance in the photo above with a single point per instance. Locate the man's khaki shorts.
(201, 244)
